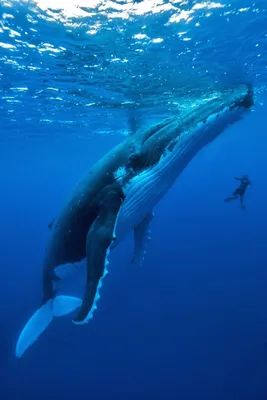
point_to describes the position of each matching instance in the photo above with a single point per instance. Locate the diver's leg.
(242, 202)
(237, 192)
(233, 197)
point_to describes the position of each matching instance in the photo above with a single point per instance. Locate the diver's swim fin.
(37, 324)
(230, 199)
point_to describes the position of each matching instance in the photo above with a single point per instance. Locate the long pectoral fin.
(141, 238)
(98, 242)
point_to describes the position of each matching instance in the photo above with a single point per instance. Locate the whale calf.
(118, 195)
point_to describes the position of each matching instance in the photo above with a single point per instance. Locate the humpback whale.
(117, 196)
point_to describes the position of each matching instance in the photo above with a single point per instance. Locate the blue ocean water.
(75, 77)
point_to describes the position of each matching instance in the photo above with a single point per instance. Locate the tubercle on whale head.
(244, 96)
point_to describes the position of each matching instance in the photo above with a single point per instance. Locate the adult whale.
(118, 195)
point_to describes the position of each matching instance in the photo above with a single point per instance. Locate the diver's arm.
(238, 179)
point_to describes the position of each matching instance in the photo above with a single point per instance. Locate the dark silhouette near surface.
(240, 191)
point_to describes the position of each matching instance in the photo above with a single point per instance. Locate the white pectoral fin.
(141, 238)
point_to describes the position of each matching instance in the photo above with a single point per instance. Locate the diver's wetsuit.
(240, 191)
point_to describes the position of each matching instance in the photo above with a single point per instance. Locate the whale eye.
(134, 160)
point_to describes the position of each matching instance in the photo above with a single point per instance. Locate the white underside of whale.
(146, 190)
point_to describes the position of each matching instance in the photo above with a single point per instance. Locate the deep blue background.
(191, 323)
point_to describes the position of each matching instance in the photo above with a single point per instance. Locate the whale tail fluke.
(63, 305)
(37, 324)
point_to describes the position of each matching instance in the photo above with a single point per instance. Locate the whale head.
(229, 105)
(197, 127)
(186, 133)
(239, 97)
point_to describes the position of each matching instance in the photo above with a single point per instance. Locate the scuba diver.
(240, 191)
